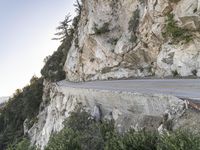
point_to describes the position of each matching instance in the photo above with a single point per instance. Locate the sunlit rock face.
(120, 39)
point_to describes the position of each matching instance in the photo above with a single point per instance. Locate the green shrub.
(132, 140)
(114, 142)
(179, 140)
(66, 139)
(79, 119)
(175, 32)
(81, 132)
(140, 140)
(53, 68)
(22, 145)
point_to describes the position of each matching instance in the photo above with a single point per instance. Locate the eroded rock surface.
(120, 39)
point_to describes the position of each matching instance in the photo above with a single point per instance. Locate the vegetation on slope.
(24, 144)
(23, 108)
(81, 132)
(53, 68)
(176, 33)
(23, 105)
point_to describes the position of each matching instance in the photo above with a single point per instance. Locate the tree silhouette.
(63, 29)
(78, 6)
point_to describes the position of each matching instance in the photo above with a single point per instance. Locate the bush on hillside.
(175, 32)
(53, 67)
(22, 145)
(179, 140)
(81, 132)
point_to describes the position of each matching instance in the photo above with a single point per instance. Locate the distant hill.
(3, 99)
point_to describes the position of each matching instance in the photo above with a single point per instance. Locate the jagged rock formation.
(118, 39)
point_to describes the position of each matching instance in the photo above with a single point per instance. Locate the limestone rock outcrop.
(121, 39)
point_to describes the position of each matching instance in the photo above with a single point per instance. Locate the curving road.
(182, 88)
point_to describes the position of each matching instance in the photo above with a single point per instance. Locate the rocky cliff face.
(125, 38)
(120, 39)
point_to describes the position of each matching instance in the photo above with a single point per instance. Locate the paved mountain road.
(182, 88)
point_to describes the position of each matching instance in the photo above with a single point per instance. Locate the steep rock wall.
(123, 38)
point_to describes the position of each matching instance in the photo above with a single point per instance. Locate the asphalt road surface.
(182, 88)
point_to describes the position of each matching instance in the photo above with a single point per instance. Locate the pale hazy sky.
(26, 29)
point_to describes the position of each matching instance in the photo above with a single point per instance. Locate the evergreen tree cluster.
(53, 68)
(23, 105)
